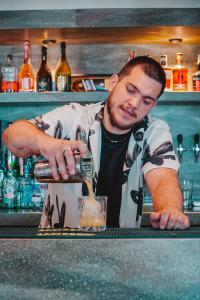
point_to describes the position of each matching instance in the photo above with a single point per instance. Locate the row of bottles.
(25, 80)
(177, 76)
(18, 188)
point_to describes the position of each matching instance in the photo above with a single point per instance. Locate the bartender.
(130, 148)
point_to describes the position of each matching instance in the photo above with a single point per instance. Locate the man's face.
(130, 99)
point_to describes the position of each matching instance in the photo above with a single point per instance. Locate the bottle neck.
(179, 59)
(163, 61)
(44, 55)
(27, 53)
(63, 55)
(198, 63)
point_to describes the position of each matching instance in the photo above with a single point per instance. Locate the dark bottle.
(63, 72)
(44, 78)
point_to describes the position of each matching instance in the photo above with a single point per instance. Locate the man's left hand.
(169, 218)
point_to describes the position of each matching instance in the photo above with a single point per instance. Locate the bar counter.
(120, 264)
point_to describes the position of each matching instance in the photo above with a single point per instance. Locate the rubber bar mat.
(118, 233)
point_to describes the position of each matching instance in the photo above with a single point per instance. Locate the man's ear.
(113, 81)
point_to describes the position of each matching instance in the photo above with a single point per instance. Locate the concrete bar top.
(100, 269)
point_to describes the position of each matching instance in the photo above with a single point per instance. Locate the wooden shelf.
(100, 26)
(27, 105)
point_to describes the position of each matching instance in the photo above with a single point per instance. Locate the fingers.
(60, 154)
(169, 219)
(155, 219)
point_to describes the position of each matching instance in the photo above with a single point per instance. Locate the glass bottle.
(25, 186)
(196, 77)
(131, 55)
(10, 79)
(44, 77)
(9, 189)
(2, 175)
(63, 72)
(27, 74)
(180, 74)
(168, 71)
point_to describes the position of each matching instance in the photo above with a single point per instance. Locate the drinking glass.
(187, 189)
(92, 213)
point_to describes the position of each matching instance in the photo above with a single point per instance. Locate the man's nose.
(134, 101)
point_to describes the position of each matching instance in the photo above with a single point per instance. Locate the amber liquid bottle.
(196, 77)
(180, 74)
(27, 74)
(63, 72)
(44, 78)
(168, 72)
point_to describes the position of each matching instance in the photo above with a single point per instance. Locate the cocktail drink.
(92, 211)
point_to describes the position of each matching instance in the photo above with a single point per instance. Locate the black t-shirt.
(113, 152)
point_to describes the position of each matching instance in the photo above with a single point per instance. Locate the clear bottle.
(168, 72)
(180, 74)
(9, 189)
(196, 77)
(63, 72)
(25, 186)
(10, 78)
(131, 55)
(2, 175)
(44, 77)
(27, 74)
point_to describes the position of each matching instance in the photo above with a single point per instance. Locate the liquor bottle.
(10, 79)
(196, 77)
(2, 175)
(12, 162)
(27, 74)
(63, 72)
(44, 78)
(180, 74)
(9, 189)
(25, 186)
(131, 55)
(168, 71)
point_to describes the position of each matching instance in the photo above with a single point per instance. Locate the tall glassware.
(63, 72)
(26, 188)
(44, 77)
(27, 74)
(10, 79)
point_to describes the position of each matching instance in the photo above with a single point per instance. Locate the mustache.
(130, 110)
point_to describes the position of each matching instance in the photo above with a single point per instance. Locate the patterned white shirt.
(150, 146)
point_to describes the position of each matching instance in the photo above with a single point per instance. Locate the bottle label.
(27, 84)
(196, 84)
(63, 83)
(180, 79)
(42, 86)
(9, 192)
(9, 74)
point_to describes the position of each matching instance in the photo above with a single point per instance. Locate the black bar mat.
(118, 233)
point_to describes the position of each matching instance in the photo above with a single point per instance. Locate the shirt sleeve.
(158, 148)
(58, 122)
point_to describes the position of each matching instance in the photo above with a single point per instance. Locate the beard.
(113, 120)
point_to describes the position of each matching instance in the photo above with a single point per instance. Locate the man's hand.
(169, 218)
(59, 153)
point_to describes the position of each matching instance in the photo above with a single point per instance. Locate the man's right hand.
(59, 153)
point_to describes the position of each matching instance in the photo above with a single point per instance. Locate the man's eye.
(130, 89)
(147, 101)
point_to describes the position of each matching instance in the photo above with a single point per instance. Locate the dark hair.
(150, 67)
